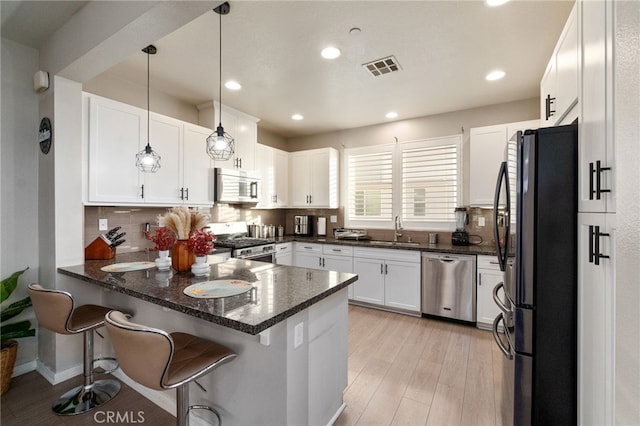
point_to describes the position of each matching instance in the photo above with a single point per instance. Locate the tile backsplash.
(133, 219)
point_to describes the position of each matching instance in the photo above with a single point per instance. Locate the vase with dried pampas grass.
(182, 221)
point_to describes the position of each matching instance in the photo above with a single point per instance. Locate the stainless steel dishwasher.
(449, 286)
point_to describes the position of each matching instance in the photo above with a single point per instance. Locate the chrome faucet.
(397, 227)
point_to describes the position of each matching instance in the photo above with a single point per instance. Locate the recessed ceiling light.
(330, 52)
(494, 3)
(391, 114)
(232, 85)
(297, 117)
(495, 75)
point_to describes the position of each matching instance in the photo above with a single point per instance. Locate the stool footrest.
(106, 358)
(208, 408)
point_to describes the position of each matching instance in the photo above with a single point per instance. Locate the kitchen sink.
(394, 243)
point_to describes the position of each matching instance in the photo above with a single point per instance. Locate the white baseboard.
(163, 399)
(337, 414)
(24, 368)
(58, 377)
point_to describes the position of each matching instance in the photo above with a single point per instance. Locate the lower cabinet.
(488, 276)
(330, 257)
(284, 254)
(389, 278)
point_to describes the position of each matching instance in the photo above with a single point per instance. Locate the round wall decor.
(45, 135)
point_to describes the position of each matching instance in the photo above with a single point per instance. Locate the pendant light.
(147, 160)
(220, 144)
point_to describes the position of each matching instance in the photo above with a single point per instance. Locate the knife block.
(99, 250)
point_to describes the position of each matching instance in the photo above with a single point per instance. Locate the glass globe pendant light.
(147, 160)
(220, 144)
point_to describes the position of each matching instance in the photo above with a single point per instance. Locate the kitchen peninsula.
(289, 331)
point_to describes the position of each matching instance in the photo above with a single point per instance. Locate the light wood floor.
(402, 371)
(418, 371)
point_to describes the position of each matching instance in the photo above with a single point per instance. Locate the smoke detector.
(382, 66)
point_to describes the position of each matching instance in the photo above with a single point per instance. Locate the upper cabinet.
(117, 131)
(243, 128)
(596, 160)
(559, 84)
(313, 178)
(273, 165)
(489, 146)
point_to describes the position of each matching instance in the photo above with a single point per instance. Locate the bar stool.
(55, 310)
(160, 361)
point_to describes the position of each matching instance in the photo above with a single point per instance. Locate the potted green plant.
(14, 330)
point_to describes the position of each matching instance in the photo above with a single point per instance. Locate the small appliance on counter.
(460, 237)
(322, 226)
(303, 225)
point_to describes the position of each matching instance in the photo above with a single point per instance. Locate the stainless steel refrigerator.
(537, 327)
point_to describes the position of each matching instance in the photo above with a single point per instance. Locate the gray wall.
(19, 178)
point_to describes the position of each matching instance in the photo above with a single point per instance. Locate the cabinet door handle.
(594, 245)
(597, 171)
(182, 193)
(320, 261)
(187, 191)
(479, 279)
(142, 191)
(548, 111)
(381, 269)
(386, 269)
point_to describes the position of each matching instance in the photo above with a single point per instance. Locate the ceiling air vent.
(382, 66)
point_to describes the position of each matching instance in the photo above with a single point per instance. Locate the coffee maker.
(459, 237)
(302, 225)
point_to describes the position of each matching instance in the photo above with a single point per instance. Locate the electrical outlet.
(480, 220)
(333, 218)
(298, 335)
(103, 224)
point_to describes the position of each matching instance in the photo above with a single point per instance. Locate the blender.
(459, 237)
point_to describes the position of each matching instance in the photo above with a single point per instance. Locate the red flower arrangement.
(201, 242)
(163, 238)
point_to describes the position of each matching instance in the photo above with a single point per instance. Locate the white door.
(165, 137)
(319, 178)
(486, 308)
(488, 145)
(370, 285)
(402, 285)
(281, 176)
(116, 135)
(338, 263)
(266, 167)
(299, 179)
(197, 186)
(596, 331)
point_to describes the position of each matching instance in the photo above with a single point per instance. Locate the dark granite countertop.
(280, 291)
(481, 249)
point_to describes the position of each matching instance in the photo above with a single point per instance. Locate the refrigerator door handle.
(502, 254)
(504, 308)
(507, 351)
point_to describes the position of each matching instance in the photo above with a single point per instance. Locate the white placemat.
(217, 288)
(128, 266)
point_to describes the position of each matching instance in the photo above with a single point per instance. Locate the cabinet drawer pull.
(597, 171)
(142, 191)
(548, 111)
(594, 245)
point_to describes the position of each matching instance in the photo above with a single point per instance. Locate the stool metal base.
(84, 398)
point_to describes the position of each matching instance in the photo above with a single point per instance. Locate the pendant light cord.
(220, 68)
(148, 54)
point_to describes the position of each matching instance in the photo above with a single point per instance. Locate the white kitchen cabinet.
(489, 146)
(330, 257)
(596, 314)
(284, 254)
(273, 165)
(596, 183)
(560, 82)
(313, 178)
(196, 166)
(243, 128)
(389, 278)
(488, 276)
(307, 255)
(118, 131)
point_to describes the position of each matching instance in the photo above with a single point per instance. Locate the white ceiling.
(273, 48)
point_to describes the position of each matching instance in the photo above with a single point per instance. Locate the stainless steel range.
(234, 235)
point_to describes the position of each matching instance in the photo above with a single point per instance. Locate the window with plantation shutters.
(417, 181)
(430, 180)
(369, 185)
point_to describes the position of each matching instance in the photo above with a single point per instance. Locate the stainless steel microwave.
(235, 186)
